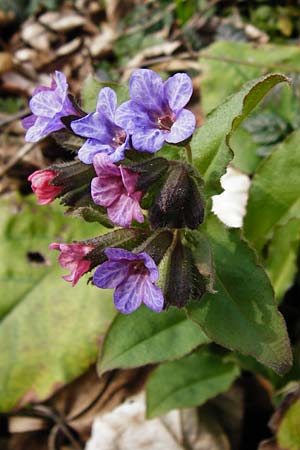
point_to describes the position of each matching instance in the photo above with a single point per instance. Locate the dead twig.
(17, 157)
(11, 118)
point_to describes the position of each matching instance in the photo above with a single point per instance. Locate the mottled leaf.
(49, 332)
(242, 315)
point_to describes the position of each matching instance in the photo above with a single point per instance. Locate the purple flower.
(48, 105)
(114, 188)
(102, 130)
(133, 276)
(155, 112)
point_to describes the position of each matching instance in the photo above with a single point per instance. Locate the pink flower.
(40, 184)
(114, 188)
(71, 258)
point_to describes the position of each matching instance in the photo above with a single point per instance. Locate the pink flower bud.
(71, 258)
(40, 184)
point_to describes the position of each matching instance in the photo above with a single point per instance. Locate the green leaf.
(242, 315)
(228, 65)
(91, 88)
(288, 435)
(245, 157)
(49, 332)
(146, 337)
(190, 381)
(202, 255)
(274, 196)
(211, 142)
(281, 263)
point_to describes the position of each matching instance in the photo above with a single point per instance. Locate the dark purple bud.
(179, 202)
(150, 171)
(72, 175)
(180, 279)
(178, 283)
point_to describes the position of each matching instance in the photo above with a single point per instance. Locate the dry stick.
(249, 63)
(19, 155)
(225, 59)
(59, 421)
(156, 18)
(11, 118)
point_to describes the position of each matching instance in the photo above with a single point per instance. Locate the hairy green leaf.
(190, 381)
(242, 315)
(228, 65)
(149, 338)
(288, 434)
(274, 196)
(281, 263)
(211, 142)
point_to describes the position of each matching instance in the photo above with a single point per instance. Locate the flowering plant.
(181, 278)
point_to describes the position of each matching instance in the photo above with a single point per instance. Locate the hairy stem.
(188, 153)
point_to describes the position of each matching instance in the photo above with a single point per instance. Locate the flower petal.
(152, 296)
(124, 210)
(146, 88)
(151, 266)
(38, 130)
(77, 269)
(106, 191)
(107, 103)
(45, 104)
(29, 121)
(117, 154)
(183, 128)
(129, 179)
(104, 167)
(93, 126)
(128, 295)
(116, 254)
(90, 148)
(62, 85)
(110, 274)
(150, 140)
(178, 90)
(131, 116)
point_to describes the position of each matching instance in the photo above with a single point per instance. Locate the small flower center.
(165, 123)
(119, 138)
(138, 267)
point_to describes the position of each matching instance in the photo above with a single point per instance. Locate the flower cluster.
(117, 178)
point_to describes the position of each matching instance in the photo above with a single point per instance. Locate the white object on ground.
(230, 206)
(125, 428)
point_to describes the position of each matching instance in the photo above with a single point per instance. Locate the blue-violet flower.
(102, 130)
(133, 276)
(114, 188)
(156, 113)
(48, 105)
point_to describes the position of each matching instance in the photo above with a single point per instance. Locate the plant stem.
(188, 153)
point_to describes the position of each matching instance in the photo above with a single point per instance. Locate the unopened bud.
(179, 202)
(150, 171)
